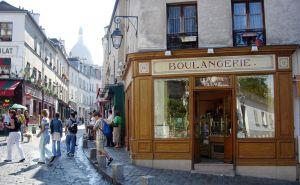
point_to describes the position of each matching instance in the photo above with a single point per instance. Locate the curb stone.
(106, 176)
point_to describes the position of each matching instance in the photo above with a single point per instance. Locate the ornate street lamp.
(117, 35)
(116, 38)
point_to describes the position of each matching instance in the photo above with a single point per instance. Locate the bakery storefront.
(193, 110)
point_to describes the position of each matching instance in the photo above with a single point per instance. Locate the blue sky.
(63, 18)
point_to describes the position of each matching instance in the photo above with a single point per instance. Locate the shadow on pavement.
(23, 170)
(3, 164)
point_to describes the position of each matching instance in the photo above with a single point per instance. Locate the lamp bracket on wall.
(134, 24)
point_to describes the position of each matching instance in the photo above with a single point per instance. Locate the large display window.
(171, 108)
(255, 106)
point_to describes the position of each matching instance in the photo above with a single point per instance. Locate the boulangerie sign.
(213, 64)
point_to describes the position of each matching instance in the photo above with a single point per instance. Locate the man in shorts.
(100, 137)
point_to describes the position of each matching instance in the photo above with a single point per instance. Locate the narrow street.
(64, 171)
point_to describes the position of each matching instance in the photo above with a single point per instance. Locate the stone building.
(211, 86)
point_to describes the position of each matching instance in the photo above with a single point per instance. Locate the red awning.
(7, 88)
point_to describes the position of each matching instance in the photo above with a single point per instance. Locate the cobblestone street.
(64, 171)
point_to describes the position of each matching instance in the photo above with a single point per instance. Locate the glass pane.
(256, 20)
(174, 19)
(190, 24)
(240, 20)
(213, 81)
(255, 106)
(171, 108)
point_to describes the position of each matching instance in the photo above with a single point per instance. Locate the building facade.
(33, 68)
(85, 80)
(210, 82)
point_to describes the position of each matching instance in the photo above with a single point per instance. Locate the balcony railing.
(182, 40)
(249, 37)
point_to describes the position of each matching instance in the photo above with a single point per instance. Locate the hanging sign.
(213, 64)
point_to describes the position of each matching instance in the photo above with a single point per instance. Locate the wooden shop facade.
(188, 108)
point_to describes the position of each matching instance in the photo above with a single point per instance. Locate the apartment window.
(248, 23)
(182, 26)
(6, 29)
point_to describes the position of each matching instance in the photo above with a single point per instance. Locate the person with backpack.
(71, 131)
(56, 133)
(44, 137)
(13, 127)
(99, 128)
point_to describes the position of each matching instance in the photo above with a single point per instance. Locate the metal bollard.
(148, 180)
(93, 154)
(117, 172)
(101, 159)
(85, 143)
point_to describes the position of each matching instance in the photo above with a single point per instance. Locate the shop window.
(6, 29)
(248, 23)
(182, 26)
(255, 93)
(171, 108)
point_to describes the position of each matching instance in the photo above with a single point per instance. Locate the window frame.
(274, 122)
(182, 32)
(248, 29)
(7, 29)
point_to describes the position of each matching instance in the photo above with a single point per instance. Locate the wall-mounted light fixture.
(254, 48)
(210, 51)
(117, 35)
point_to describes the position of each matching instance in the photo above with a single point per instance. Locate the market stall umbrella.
(18, 106)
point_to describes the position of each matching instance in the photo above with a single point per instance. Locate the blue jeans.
(44, 151)
(56, 148)
(70, 141)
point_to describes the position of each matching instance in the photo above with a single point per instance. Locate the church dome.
(81, 51)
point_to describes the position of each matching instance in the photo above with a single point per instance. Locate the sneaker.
(7, 161)
(109, 161)
(52, 159)
(72, 155)
(22, 160)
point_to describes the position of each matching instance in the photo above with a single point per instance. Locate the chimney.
(36, 17)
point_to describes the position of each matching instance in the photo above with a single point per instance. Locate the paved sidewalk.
(132, 174)
(65, 171)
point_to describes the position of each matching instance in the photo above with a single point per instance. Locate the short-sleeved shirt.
(117, 121)
(110, 119)
(99, 126)
(46, 123)
(21, 118)
(70, 122)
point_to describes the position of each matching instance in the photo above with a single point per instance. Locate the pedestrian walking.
(22, 120)
(71, 131)
(109, 136)
(56, 133)
(100, 137)
(44, 137)
(117, 130)
(26, 115)
(13, 128)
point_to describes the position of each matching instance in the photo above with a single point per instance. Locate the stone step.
(221, 169)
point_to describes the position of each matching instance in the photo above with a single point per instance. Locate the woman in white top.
(44, 135)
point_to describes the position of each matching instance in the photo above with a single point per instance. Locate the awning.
(5, 61)
(7, 88)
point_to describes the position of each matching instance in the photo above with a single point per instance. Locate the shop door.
(213, 126)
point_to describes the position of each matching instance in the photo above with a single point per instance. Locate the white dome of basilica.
(81, 51)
